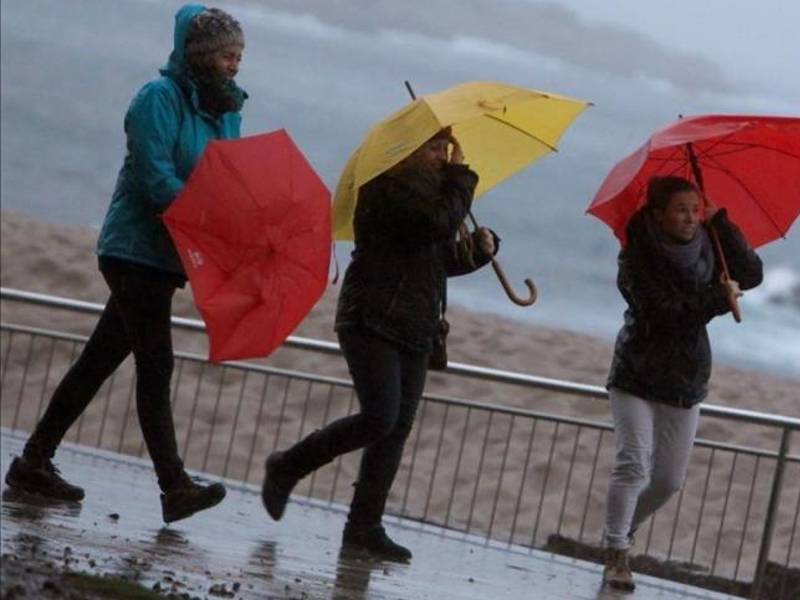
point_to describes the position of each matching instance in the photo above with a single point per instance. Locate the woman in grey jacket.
(671, 280)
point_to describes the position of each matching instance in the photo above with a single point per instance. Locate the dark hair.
(661, 189)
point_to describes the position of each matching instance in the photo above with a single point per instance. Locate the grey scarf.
(694, 260)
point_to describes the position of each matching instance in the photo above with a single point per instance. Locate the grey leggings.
(653, 445)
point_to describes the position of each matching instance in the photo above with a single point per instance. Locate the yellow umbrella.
(501, 128)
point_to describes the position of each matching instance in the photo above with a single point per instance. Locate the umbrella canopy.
(252, 227)
(501, 129)
(749, 164)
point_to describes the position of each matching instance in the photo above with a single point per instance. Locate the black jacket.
(405, 230)
(662, 352)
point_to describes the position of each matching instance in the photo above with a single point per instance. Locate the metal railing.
(512, 475)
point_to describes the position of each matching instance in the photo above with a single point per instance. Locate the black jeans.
(136, 319)
(389, 382)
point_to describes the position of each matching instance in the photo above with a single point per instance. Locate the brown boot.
(617, 573)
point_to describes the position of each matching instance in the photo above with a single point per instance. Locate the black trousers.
(136, 319)
(389, 382)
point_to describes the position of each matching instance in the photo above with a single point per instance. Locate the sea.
(69, 70)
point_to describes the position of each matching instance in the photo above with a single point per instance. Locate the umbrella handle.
(533, 294)
(498, 270)
(733, 302)
(532, 291)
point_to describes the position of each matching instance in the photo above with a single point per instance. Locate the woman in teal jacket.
(168, 124)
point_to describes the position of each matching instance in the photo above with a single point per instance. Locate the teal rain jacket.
(166, 133)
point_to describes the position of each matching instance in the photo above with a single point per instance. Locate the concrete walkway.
(235, 551)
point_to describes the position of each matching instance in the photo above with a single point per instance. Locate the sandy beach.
(59, 260)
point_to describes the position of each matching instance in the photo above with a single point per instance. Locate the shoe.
(277, 487)
(43, 478)
(374, 542)
(187, 497)
(617, 573)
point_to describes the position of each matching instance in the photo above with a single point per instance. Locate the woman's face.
(681, 217)
(224, 62)
(432, 154)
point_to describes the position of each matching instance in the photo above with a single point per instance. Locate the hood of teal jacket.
(176, 65)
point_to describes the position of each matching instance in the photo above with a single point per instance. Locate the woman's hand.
(731, 287)
(456, 154)
(486, 241)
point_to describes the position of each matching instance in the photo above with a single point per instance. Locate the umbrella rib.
(677, 155)
(643, 185)
(238, 177)
(744, 147)
(718, 166)
(528, 133)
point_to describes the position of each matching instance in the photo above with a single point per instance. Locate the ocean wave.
(781, 287)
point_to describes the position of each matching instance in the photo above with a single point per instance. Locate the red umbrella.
(747, 164)
(252, 227)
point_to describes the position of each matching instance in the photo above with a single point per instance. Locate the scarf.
(217, 98)
(693, 260)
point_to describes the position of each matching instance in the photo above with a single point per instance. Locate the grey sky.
(709, 46)
(325, 70)
(753, 42)
(543, 28)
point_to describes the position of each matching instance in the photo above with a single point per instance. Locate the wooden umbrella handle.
(533, 293)
(733, 301)
(498, 270)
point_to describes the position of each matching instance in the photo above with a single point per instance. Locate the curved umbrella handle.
(532, 291)
(498, 270)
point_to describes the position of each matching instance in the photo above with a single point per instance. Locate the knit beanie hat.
(211, 30)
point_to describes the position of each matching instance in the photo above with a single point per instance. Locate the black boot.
(284, 469)
(277, 487)
(185, 497)
(40, 476)
(374, 542)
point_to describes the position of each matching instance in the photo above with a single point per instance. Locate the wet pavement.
(235, 551)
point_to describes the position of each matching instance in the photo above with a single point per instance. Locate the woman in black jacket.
(671, 280)
(406, 224)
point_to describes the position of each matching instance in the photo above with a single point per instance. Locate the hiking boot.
(617, 573)
(374, 542)
(186, 497)
(41, 477)
(277, 486)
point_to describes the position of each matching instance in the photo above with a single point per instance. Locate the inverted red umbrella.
(252, 227)
(748, 164)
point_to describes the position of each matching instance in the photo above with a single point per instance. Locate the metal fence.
(511, 475)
